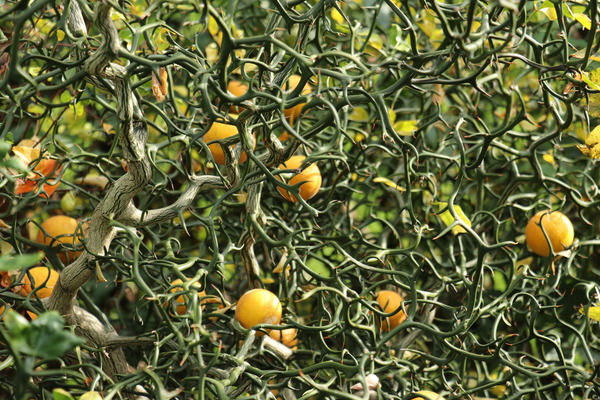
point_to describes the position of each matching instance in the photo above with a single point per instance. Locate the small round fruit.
(287, 336)
(389, 302)
(293, 112)
(558, 228)
(61, 230)
(310, 176)
(428, 395)
(237, 89)
(42, 278)
(181, 307)
(258, 306)
(217, 132)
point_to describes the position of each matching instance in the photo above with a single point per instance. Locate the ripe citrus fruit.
(237, 89)
(287, 336)
(219, 131)
(58, 231)
(311, 176)
(293, 112)
(258, 306)
(42, 278)
(558, 228)
(177, 285)
(389, 302)
(428, 395)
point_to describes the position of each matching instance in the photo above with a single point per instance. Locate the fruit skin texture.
(558, 227)
(311, 176)
(293, 112)
(429, 395)
(389, 302)
(40, 275)
(60, 229)
(220, 131)
(181, 300)
(287, 336)
(258, 306)
(237, 89)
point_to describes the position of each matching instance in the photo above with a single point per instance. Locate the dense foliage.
(439, 129)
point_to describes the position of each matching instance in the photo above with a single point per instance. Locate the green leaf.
(4, 148)
(44, 337)
(10, 262)
(61, 394)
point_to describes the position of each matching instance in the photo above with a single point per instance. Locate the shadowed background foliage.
(439, 129)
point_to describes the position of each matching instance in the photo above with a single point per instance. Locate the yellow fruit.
(237, 89)
(181, 308)
(258, 306)
(42, 278)
(217, 132)
(558, 228)
(311, 176)
(61, 230)
(427, 395)
(389, 302)
(287, 336)
(293, 112)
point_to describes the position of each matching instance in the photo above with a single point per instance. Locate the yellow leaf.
(406, 127)
(549, 12)
(388, 182)
(583, 20)
(593, 312)
(337, 17)
(215, 30)
(448, 219)
(359, 114)
(548, 157)
(60, 34)
(592, 144)
(91, 396)
(581, 54)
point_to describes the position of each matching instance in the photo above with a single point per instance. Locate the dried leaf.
(160, 84)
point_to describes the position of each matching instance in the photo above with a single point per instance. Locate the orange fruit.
(237, 89)
(287, 336)
(58, 231)
(258, 306)
(428, 395)
(293, 112)
(310, 176)
(389, 302)
(219, 131)
(42, 278)
(181, 307)
(558, 228)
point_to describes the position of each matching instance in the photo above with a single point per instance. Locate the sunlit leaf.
(593, 312)
(592, 144)
(406, 127)
(584, 20)
(91, 396)
(61, 394)
(448, 219)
